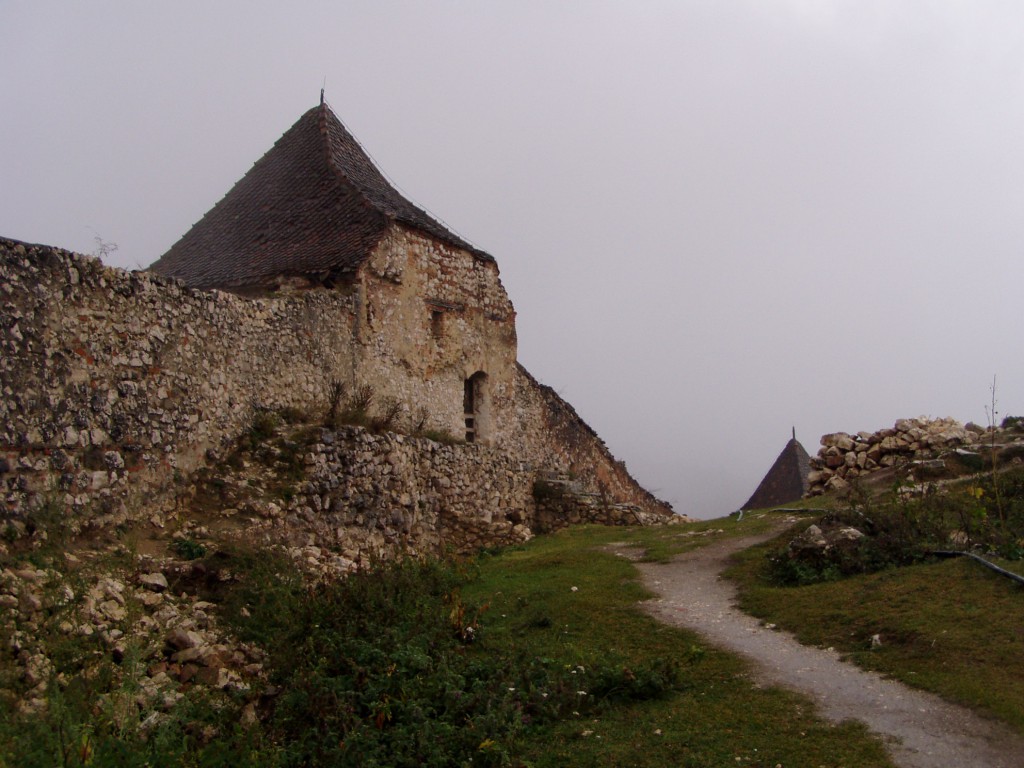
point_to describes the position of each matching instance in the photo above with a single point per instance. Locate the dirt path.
(921, 730)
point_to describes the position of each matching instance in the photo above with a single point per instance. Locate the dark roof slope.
(314, 204)
(786, 481)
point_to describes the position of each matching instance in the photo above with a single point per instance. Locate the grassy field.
(567, 600)
(531, 656)
(951, 627)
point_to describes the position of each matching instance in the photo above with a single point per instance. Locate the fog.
(717, 220)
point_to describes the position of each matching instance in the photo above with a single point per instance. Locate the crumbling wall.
(844, 457)
(558, 440)
(116, 385)
(369, 496)
(432, 316)
(374, 495)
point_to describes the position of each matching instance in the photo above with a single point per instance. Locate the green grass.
(662, 544)
(532, 656)
(714, 716)
(951, 627)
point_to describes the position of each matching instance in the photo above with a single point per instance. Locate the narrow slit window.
(469, 408)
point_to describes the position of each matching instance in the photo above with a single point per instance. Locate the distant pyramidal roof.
(786, 481)
(313, 205)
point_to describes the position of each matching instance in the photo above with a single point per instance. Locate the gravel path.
(921, 730)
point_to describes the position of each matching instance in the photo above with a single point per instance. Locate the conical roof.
(786, 481)
(314, 205)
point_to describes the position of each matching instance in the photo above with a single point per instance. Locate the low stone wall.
(372, 495)
(369, 496)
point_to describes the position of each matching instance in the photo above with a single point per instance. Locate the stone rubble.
(920, 444)
(167, 641)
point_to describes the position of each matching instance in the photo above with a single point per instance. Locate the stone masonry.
(117, 385)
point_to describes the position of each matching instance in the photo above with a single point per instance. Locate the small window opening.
(469, 408)
(476, 408)
(437, 323)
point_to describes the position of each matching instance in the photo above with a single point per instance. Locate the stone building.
(431, 324)
(312, 275)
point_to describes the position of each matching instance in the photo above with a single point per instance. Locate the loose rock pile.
(133, 622)
(844, 457)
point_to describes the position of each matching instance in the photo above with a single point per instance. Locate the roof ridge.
(324, 110)
(390, 199)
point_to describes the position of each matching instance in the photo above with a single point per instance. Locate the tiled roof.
(786, 481)
(313, 205)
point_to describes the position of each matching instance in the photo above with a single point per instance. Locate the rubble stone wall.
(374, 495)
(431, 316)
(564, 443)
(113, 381)
(115, 385)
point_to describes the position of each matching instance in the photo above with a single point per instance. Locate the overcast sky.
(717, 220)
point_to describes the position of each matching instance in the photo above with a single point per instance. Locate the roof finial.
(322, 87)
(794, 433)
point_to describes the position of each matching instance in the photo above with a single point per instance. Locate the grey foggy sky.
(716, 220)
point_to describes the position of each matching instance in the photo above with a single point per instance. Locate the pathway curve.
(920, 729)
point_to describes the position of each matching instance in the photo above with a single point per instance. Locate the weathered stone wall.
(372, 495)
(368, 496)
(116, 384)
(431, 317)
(556, 439)
(112, 381)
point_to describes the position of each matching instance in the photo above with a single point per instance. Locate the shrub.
(387, 416)
(188, 549)
(1013, 422)
(901, 530)
(262, 427)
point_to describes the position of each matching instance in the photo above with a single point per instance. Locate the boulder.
(155, 582)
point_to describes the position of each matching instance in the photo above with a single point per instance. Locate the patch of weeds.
(387, 415)
(652, 680)
(335, 400)
(357, 410)
(1015, 423)
(344, 408)
(900, 529)
(9, 533)
(419, 421)
(97, 709)
(292, 415)
(188, 549)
